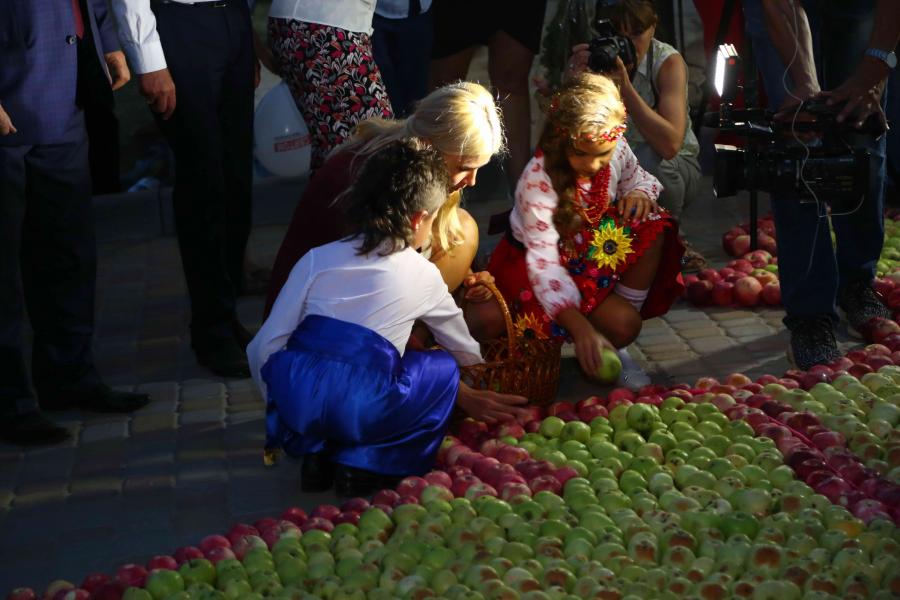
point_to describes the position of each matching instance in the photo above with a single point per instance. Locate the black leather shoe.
(224, 358)
(350, 481)
(317, 473)
(31, 429)
(97, 398)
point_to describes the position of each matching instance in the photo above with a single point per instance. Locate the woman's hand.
(476, 290)
(490, 407)
(636, 206)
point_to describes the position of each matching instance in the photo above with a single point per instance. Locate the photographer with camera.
(652, 78)
(817, 276)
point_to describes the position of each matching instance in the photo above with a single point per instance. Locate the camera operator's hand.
(787, 112)
(620, 75)
(860, 96)
(578, 62)
(636, 207)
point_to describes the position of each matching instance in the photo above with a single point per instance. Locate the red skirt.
(595, 278)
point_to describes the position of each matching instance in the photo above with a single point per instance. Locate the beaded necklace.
(593, 203)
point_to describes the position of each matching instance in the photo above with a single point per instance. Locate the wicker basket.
(515, 364)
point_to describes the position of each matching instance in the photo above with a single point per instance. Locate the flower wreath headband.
(610, 135)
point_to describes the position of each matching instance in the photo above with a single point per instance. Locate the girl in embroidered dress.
(341, 390)
(589, 254)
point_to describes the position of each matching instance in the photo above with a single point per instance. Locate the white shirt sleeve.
(283, 320)
(632, 177)
(536, 203)
(446, 322)
(138, 36)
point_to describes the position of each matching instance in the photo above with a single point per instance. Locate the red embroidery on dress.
(541, 226)
(555, 285)
(544, 187)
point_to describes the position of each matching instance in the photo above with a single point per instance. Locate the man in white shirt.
(195, 65)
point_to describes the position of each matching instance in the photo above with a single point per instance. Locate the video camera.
(831, 170)
(606, 45)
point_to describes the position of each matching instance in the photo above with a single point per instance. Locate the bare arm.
(788, 28)
(861, 93)
(663, 128)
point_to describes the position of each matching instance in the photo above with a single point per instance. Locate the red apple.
(318, 523)
(559, 407)
(746, 291)
(186, 553)
(412, 486)
(76, 594)
(21, 593)
(700, 293)
(386, 497)
(860, 369)
(722, 293)
(512, 455)
(771, 294)
(237, 531)
(95, 580)
(244, 545)
(589, 413)
(214, 541)
(741, 244)
(434, 478)
(462, 484)
(329, 511)
(222, 553)
(511, 429)
(512, 489)
(295, 515)
(351, 517)
(132, 575)
(545, 482)
(709, 274)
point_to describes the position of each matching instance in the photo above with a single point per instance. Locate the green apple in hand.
(610, 366)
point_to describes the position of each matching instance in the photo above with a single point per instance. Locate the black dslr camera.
(830, 169)
(606, 45)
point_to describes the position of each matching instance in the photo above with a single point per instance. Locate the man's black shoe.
(31, 429)
(812, 341)
(224, 358)
(317, 473)
(350, 481)
(96, 398)
(861, 305)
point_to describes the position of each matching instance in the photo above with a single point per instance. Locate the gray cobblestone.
(710, 345)
(99, 432)
(194, 417)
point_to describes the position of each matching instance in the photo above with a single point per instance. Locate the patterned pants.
(333, 77)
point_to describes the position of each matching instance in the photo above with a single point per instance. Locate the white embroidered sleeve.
(632, 177)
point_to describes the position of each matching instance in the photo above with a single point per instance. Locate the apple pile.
(782, 410)
(736, 241)
(889, 261)
(748, 281)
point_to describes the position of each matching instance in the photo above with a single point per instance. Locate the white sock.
(634, 297)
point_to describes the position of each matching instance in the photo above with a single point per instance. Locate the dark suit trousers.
(47, 251)
(209, 52)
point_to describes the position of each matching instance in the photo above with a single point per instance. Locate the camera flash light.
(727, 69)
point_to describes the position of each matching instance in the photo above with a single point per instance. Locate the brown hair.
(588, 104)
(633, 16)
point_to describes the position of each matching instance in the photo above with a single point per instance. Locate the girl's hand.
(588, 342)
(491, 407)
(636, 206)
(476, 291)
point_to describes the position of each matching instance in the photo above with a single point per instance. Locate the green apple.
(552, 427)
(162, 583)
(576, 430)
(610, 367)
(198, 570)
(136, 593)
(641, 416)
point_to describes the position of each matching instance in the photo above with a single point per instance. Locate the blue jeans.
(810, 268)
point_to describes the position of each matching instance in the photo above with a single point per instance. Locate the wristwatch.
(888, 58)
